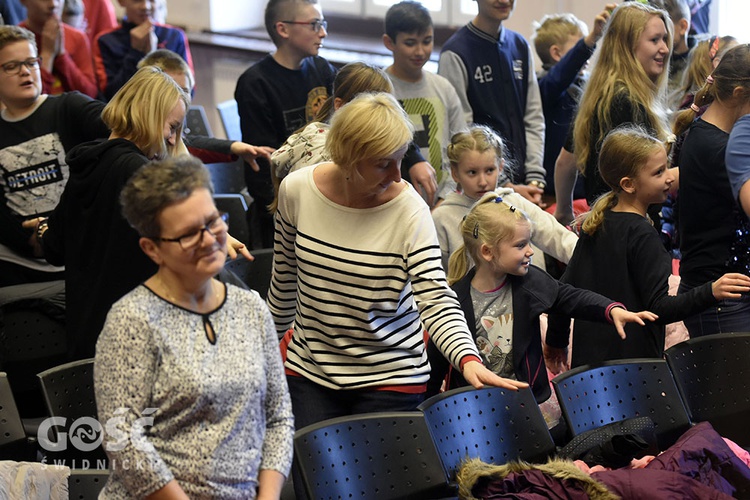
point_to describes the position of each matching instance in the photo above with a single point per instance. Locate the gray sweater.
(222, 411)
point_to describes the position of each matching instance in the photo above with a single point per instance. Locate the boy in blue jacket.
(564, 51)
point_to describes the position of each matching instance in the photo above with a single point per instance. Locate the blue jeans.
(731, 315)
(312, 403)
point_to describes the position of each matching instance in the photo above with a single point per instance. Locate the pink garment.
(741, 453)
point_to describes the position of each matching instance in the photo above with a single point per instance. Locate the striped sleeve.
(359, 286)
(282, 293)
(437, 303)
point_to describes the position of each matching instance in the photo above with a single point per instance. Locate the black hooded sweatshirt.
(88, 234)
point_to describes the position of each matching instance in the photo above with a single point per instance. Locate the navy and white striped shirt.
(355, 284)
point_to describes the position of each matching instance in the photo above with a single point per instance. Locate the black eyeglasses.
(316, 24)
(14, 67)
(194, 239)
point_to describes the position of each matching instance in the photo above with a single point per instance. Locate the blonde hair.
(352, 80)
(479, 138)
(617, 71)
(554, 29)
(490, 221)
(138, 111)
(700, 62)
(732, 72)
(370, 126)
(169, 62)
(12, 34)
(624, 152)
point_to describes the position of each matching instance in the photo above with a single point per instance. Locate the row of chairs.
(399, 455)
(394, 455)
(68, 392)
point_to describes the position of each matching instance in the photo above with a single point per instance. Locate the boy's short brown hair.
(12, 34)
(554, 29)
(281, 10)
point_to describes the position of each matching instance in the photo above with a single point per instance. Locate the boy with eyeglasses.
(283, 91)
(117, 52)
(36, 131)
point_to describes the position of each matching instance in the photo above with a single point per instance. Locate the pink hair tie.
(709, 79)
(695, 108)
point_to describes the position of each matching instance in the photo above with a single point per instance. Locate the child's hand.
(143, 38)
(478, 376)
(52, 42)
(235, 247)
(597, 29)
(423, 178)
(250, 153)
(730, 286)
(621, 316)
(531, 193)
(556, 359)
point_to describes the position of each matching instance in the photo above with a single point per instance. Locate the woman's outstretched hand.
(478, 376)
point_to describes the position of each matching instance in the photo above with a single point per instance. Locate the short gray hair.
(157, 185)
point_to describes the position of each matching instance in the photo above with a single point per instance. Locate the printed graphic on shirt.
(315, 99)
(427, 117)
(34, 175)
(495, 343)
(483, 74)
(518, 68)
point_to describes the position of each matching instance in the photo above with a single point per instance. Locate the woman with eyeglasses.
(86, 232)
(198, 358)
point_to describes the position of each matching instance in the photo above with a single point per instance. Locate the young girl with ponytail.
(620, 255)
(503, 295)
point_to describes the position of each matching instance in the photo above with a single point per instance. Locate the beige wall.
(196, 13)
(528, 11)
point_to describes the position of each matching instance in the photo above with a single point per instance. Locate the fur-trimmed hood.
(474, 470)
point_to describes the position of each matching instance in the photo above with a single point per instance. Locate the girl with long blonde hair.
(628, 84)
(86, 232)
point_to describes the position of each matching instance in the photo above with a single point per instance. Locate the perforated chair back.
(196, 122)
(69, 389)
(86, 484)
(374, 456)
(713, 376)
(495, 425)
(616, 390)
(227, 177)
(12, 435)
(69, 392)
(33, 339)
(230, 119)
(256, 273)
(236, 208)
